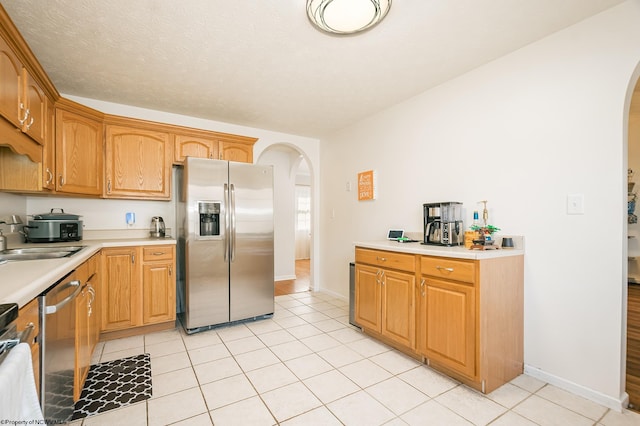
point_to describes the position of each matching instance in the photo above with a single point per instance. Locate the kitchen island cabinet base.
(468, 316)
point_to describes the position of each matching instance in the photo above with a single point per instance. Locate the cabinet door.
(36, 103)
(93, 287)
(368, 303)
(119, 298)
(29, 315)
(158, 286)
(448, 334)
(10, 84)
(79, 154)
(190, 146)
(232, 151)
(138, 163)
(398, 307)
(83, 349)
(49, 149)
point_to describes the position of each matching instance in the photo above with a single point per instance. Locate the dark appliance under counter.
(57, 348)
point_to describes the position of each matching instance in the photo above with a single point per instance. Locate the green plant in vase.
(486, 232)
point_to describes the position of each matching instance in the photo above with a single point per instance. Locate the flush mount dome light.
(346, 16)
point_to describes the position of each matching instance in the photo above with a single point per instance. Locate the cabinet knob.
(30, 123)
(50, 176)
(109, 186)
(442, 268)
(382, 259)
(61, 180)
(422, 288)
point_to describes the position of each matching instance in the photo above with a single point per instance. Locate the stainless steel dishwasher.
(57, 348)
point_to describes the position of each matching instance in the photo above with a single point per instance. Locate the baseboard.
(285, 277)
(590, 394)
(331, 293)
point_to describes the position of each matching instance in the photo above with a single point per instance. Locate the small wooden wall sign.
(367, 185)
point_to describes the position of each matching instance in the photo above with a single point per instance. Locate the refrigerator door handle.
(233, 222)
(226, 223)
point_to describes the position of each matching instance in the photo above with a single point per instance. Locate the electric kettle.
(157, 227)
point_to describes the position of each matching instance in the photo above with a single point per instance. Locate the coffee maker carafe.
(443, 223)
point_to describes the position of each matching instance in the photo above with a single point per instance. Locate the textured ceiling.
(261, 64)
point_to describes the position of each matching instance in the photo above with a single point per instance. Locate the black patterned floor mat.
(115, 384)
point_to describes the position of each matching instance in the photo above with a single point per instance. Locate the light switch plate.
(575, 204)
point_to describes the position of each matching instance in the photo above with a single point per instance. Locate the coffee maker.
(443, 224)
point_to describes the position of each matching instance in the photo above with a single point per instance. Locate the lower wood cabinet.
(385, 297)
(87, 320)
(463, 317)
(138, 287)
(158, 284)
(120, 282)
(447, 331)
(29, 316)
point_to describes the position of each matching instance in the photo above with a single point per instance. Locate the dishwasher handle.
(55, 308)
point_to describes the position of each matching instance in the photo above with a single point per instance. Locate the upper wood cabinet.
(138, 163)
(22, 99)
(11, 86)
(79, 152)
(215, 145)
(232, 151)
(194, 146)
(34, 105)
(49, 150)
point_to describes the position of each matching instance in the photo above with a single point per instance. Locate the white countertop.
(23, 280)
(459, 252)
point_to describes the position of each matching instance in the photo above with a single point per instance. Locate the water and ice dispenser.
(209, 218)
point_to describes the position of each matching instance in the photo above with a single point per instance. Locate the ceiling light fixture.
(346, 16)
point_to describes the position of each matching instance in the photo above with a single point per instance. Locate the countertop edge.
(458, 252)
(22, 281)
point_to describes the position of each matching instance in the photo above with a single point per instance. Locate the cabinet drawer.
(441, 267)
(386, 259)
(153, 253)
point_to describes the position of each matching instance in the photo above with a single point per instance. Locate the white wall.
(283, 212)
(522, 132)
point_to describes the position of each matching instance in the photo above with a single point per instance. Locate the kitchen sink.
(35, 253)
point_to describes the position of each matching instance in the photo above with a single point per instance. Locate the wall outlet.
(575, 204)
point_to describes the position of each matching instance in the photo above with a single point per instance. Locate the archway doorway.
(633, 272)
(293, 189)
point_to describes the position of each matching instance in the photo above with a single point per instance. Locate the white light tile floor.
(308, 366)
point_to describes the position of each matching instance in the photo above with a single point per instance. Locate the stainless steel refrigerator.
(225, 242)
